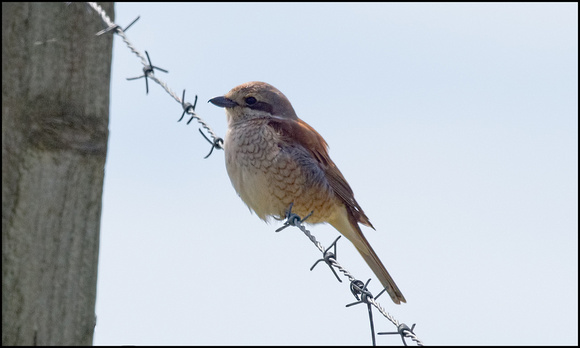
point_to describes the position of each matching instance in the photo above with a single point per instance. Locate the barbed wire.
(357, 287)
(148, 73)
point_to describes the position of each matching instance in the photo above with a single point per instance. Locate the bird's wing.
(296, 130)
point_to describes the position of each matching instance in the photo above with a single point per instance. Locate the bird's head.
(255, 100)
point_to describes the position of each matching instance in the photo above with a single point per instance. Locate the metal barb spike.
(328, 257)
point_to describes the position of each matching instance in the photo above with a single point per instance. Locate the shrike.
(274, 158)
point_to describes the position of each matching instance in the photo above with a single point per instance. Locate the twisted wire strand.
(145, 63)
(338, 266)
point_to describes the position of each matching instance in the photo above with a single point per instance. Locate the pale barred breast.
(249, 155)
(268, 175)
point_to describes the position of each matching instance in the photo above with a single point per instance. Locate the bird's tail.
(380, 271)
(352, 231)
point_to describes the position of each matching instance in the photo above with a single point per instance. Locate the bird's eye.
(250, 100)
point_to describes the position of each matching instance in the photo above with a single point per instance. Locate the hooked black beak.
(223, 102)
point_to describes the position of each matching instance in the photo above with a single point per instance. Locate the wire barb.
(404, 331)
(358, 288)
(187, 107)
(328, 257)
(217, 143)
(147, 72)
(293, 219)
(116, 28)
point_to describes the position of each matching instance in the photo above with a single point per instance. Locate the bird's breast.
(269, 174)
(249, 151)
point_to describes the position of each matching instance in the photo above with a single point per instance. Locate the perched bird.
(273, 158)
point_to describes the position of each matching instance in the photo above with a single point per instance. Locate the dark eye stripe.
(262, 106)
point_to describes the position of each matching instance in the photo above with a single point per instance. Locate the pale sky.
(456, 125)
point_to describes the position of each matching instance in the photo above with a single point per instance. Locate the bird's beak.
(223, 102)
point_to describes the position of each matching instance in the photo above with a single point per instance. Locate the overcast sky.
(456, 125)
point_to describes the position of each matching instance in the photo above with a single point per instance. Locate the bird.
(276, 160)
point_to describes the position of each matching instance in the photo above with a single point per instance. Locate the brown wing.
(301, 132)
